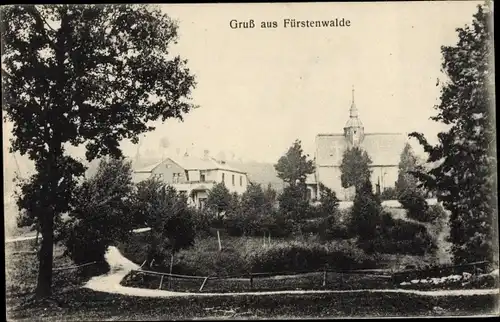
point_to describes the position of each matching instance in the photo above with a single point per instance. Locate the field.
(72, 303)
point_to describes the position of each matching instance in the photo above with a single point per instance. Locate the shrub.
(435, 214)
(397, 236)
(389, 194)
(172, 222)
(302, 256)
(366, 212)
(415, 204)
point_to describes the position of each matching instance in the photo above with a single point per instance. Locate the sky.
(260, 89)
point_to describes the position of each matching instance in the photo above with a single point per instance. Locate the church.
(384, 150)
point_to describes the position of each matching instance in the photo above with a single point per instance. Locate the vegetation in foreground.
(69, 302)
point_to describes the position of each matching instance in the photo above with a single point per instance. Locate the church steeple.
(353, 111)
(354, 130)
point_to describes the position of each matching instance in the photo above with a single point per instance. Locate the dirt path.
(121, 266)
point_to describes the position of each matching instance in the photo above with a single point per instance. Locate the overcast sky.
(260, 89)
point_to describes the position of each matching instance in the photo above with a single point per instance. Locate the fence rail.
(396, 277)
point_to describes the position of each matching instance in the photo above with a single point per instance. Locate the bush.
(389, 194)
(415, 204)
(366, 210)
(398, 236)
(302, 256)
(435, 214)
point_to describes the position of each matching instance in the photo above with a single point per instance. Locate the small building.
(384, 150)
(195, 176)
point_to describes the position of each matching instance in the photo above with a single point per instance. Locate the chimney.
(206, 154)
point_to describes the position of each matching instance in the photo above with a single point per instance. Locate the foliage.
(270, 196)
(294, 166)
(84, 75)
(307, 256)
(464, 161)
(102, 212)
(166, 211)
(354, 168)
(389, 193)
(293, 207)
(366, 210)
(329, 203)
(408, 163)
(415, 204)
(330, 228)
(410, 195)
(398, 236)
(219, 199)
(255, 214)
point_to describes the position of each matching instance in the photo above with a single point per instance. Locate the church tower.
(354, 130)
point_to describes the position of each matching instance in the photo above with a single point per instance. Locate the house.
(384, 150)
(195, 176)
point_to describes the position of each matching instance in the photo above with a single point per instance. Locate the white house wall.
(228, 181)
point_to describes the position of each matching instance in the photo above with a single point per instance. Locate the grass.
(72, 303)
(78, 305)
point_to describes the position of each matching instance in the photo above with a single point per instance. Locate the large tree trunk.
(46, 255)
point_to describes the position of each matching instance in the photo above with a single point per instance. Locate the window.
(241, 180)
(233, 179)
(223, 177)
(175, 177)
(202, 176)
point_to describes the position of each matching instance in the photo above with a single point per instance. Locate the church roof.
(383, 148)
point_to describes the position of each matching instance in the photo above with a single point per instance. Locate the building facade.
(195, 176)
(384, 150)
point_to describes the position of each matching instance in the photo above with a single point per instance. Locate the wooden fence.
(250, 277)
(395, 277)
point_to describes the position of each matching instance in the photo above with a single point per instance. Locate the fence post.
(218, 238)
(170, 276)
(203, 284)
(251, 281)
(324, 277)
(161, 282)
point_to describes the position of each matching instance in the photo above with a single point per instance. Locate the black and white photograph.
(249, 161)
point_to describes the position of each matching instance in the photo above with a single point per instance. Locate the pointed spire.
(353, 112)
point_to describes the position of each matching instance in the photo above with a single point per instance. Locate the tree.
(464, 162)
(101, 213)
(329, 203)
(410, 195)
(355, 168)
(293, 207)
(166, 211)
(407, 164)
(293, 167)
(366, 213)
(219, 202)
(270, 196)
(89, 74)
